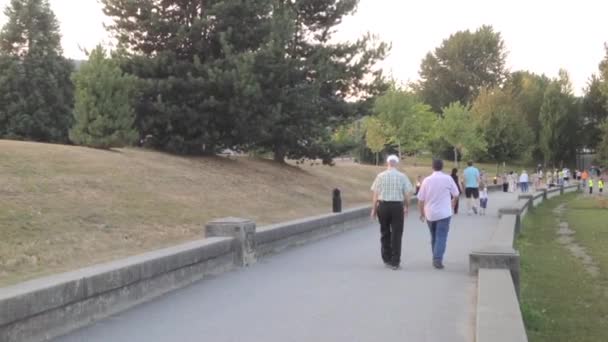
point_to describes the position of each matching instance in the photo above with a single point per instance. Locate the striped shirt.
(391, 186)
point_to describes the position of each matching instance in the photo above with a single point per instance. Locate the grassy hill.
(64, 207)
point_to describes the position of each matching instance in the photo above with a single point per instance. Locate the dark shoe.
(438, 264)
(475, 210)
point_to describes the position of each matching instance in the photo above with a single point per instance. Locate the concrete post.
(561, 189)
(512, 211)
(242, 230)
(530, 199)
(545, 194)
(497, 258)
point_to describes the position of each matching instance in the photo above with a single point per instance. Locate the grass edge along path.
(560, 299)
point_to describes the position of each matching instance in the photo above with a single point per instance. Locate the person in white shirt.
(483, 199)
(524, 180)
(436, 200)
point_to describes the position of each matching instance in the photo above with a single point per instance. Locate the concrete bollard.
(545, 194)
(336, 201)
(242, 230)
(561, 189)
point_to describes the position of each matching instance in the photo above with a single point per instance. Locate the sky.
(540, 36)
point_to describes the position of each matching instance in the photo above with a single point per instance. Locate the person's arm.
(374, 204)
(421, 199)
(455, 193)
(374, 189)
(407, 191)
(421, 207)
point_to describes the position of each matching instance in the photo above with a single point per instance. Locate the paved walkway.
(333, 290)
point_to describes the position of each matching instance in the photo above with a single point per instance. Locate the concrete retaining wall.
(52, 306)
(45, 308)
(497, 265)
(275, 238)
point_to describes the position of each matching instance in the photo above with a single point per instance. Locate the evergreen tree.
(35, 87)
(103, 110)
(194, 59)
(306, 79)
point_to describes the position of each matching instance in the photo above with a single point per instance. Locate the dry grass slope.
(64, 207)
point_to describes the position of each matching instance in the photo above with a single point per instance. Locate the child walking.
(483, 199)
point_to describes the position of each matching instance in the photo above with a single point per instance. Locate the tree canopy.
(503, 123)
(410, 122)
(461, 66)
(460, 130)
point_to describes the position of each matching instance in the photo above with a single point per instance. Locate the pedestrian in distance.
(436, 200)
(590, 185)
(456, 180)
(471, 185)
(418, 183)
(505, 182)
(524, 181)
(483, 199)
(390, 204)
(600, 185)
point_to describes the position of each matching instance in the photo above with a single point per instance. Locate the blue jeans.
(439, 236)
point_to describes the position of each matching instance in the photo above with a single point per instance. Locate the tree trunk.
(456, 157)
(279, 154)
(376, 158)
(399, 149)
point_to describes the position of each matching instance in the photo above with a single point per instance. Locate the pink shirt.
(436, 192)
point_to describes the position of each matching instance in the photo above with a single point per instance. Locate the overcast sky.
(541, 36)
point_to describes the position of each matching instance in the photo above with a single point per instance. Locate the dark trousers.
(390, 216)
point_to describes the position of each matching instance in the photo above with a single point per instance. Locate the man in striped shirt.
(390, 203)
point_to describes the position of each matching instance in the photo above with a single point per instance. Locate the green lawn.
(561, 300)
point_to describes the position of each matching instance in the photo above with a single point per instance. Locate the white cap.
(392, 158)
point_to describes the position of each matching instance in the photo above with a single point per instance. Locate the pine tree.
(194, 60)
(306, 79)
(35, 90)
(103, 109)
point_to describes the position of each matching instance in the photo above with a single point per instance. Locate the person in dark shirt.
(455, 178)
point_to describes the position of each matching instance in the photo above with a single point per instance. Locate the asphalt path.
(336, 289)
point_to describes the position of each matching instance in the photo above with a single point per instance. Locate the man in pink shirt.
(436, 200)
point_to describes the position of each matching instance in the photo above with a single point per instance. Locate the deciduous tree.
(459, 129)
(461, 66)
(503, 123)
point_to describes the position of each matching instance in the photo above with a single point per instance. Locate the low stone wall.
(49, 307)
(278, 237)
(498, 313)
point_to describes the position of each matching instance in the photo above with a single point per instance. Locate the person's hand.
(373, 213)
(405, 211)
(422, 218)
